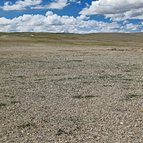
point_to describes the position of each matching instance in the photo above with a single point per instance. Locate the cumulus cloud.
(51, 22)
(20, 5)
(36, 4)
(116, 9)
(56, 4)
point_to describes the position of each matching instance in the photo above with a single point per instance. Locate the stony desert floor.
(51, 94)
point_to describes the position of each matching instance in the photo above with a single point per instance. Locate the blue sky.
(72, 16)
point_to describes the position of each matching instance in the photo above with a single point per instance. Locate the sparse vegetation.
(2, 105)
(61, 132)
(71, 88)
(99, 39)
(27, 125)
(15, 102)
(132, 96)
(83, 97)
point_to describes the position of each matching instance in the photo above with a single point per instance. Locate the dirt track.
(71, 95)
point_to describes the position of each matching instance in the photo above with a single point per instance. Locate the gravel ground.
(71, 95)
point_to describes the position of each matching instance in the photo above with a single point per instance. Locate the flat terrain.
(65, 88)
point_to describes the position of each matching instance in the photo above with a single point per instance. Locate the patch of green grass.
(127, 70)
(45, 62)
(132, 96)
(87, 82)
(15, 102)
(20, 76)
(107, 85)
(27, 125)
(83, 97)
(68, 61)
(9, 96)
(117, 49)
(60, 132)
(67, 79)
(111, 77)
(39, 79)
(128, 79)
(2, 105)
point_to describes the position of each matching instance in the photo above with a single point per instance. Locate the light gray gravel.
(71, 95)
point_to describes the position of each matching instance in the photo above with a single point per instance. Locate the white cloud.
(36, 4)
(116, 9)
(51, 22)
(76, 1)
(19, 5)
(56, 4)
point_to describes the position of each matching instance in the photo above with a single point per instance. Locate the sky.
(71, 16)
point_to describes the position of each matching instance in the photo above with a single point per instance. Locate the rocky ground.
(71, 94)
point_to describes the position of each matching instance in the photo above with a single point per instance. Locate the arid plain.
(67, 88)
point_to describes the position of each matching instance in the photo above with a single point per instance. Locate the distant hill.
(60, 39)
